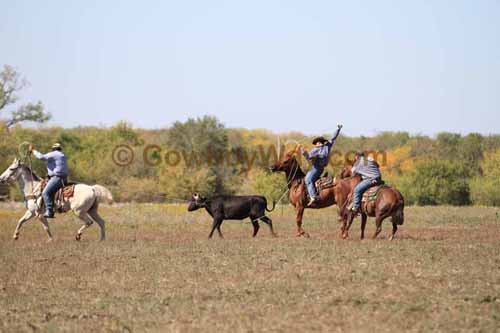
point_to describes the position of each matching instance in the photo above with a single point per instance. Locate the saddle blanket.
(372, 192)
(66, 192)
(324, 182)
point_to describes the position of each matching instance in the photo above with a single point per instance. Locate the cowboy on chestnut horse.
(319, 157)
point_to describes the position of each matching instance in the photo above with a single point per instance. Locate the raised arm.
(335, 135)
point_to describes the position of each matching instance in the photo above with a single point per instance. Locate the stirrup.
(312, 201)
(48, 214)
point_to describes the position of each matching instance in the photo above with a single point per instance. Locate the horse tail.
(274, 206)
(399, 215)
(103, 194)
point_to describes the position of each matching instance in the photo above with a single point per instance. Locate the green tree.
(10, 85)
(471, 152)
(270, 185)
(485, 189)
(437, 182)
(206, 139)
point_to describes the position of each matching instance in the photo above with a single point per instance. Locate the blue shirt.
(56, 162)
(367, 168)
(319, 155)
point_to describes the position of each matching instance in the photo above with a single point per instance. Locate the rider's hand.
(298, 147)
(339, 126)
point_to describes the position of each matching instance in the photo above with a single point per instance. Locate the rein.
(27, 157)
(289, 181)
(294, 174)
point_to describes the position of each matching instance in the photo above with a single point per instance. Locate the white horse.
(84, 202)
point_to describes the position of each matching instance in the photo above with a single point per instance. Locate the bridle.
(11, 177)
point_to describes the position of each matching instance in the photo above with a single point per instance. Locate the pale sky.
(417, 66)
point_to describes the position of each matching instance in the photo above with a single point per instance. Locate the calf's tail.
(274, 206)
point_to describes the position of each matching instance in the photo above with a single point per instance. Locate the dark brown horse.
(298, 191)
(388, 203)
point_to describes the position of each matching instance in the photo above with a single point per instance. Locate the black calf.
(226, 207)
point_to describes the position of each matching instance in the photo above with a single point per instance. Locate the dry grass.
(158, 272)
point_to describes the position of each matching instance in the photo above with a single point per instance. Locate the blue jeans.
(54, 184)
(359, 190)
(311, 177)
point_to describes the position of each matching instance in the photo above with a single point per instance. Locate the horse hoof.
(78, 237)
(345, 235)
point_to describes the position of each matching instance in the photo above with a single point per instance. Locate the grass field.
(158, 272)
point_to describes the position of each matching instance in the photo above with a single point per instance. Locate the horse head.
(285, 164)
(346, 172)
(12, 172)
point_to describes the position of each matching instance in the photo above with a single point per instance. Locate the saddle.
(61, 195)
(372, 193)
(324, 182)
(369, 195)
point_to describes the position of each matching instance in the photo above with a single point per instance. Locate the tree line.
(447, 169)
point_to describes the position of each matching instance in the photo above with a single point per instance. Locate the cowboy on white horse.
(84, 203)
(57, 170)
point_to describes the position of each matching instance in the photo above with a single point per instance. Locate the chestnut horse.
(298, 191)
(388, 203)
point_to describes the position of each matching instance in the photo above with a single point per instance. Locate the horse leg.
(378, 225)
(394, 230)
(88, 222)
(351, 219)
(98, 219)
(397, 218)
(347, 225)
(364, 217)
(255, 224)
(28, 215)
(46, 227)
(300, 214)
(269, 222)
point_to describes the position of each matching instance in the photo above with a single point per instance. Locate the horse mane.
(299, 169)
(31, 172)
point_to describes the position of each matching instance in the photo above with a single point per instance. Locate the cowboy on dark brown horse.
(319, 157)
(385, 201)
(369, 171)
